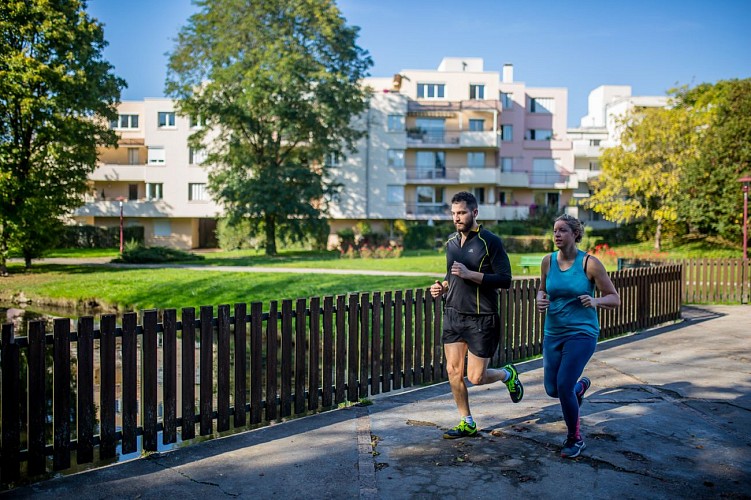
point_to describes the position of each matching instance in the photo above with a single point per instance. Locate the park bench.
(528, 261)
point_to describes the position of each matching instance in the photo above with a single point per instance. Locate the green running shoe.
(461, 430)
(513, 384)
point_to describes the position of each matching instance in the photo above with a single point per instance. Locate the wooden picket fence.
(296, 357)
(707, 281)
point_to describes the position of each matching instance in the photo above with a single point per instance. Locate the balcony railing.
(428, 209)
(453, 137)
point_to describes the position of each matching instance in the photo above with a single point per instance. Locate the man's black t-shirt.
(482, 252)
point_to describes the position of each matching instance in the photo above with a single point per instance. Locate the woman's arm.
(542, 294)
(609, 298)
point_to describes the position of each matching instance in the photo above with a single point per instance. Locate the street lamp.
(745, 181)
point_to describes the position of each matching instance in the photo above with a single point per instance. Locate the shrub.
(528, 244)
(139, 254)
(234, 236)
(98, 237)
(420, 237)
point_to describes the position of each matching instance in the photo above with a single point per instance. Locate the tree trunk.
(27, 260)
(658, 235)
(3, 253)
(270, 234)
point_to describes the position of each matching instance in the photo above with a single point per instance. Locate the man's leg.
(455, 354)
(478, 372)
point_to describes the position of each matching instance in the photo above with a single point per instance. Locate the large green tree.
(712, 203)
(641, 177)
(56, 94)
(277, 84)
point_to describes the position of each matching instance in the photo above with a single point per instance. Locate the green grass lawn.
(167, 288)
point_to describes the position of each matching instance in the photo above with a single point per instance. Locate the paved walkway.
(105, 262)
(668, 416)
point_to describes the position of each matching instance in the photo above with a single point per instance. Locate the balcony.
(131, 208)
(586, 151)
(417, 137)
(479, 175)
(556, 180)
(118, 172)
(502, 212)
(514, 179)
(426, 211)
(432, 175)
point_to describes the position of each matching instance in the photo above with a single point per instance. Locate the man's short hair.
(466, 197)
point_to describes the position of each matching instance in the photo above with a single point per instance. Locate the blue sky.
(578, 44)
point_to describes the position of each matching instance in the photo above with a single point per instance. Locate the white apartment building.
(433, 133)
(598, 130)
(155, 175)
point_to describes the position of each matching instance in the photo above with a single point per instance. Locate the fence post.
(61, 394)
(10, 468)
(37, 398)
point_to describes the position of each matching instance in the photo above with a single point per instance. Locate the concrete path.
(668, 416)
(105, 262)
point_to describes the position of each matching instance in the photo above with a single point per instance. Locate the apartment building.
(598, 130)
(154, 177)
(433, 133)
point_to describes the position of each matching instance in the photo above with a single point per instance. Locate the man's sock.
(469, 419)
(506, 374)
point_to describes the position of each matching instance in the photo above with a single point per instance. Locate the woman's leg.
(575, 353)
(551, 363)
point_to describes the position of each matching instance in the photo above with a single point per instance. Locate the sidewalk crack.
(154, 459)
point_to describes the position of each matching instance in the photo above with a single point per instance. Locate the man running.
(476, 267)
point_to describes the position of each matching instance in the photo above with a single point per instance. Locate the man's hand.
(459, 269)
(437, 289)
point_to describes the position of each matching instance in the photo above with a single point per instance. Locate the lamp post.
(121, 227)
(745, 181)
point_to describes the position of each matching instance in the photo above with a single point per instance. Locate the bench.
(528, 261)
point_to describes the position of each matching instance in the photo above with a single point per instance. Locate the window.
(162, 228)
(477, 91)
(540, 134)
(541, 105)
(196, 156)
(544, 172)
(505, 197)
(395, 157)
(333, 160)
(433, 129)
(124, 121)
(479, 193)
(507, 133)
(429, 194)
(594, 142)
(197, 192)
(154, 191)
(507, 164)
(594, 165)
(196, 121)
(156, 155)
(476, 125)
(396, 123)
(506, 100)
(166, 119)
(395, 194)
(431, 164)
(476, 159)
(132, 192)
(431, 90)
(133, 156)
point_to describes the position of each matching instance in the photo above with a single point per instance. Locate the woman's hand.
(588, 301)
(542, 301)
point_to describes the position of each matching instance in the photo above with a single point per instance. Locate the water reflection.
(20, 316)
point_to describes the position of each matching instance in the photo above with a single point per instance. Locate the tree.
(641, 177)
(713, 204)
(56, 93)
(277, 84)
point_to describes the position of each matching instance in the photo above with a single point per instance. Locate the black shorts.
(481, 333)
